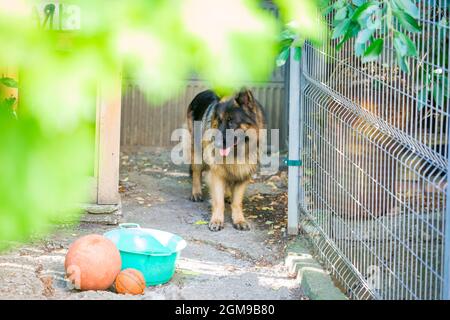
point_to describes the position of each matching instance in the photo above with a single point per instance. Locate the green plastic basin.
(152, 252)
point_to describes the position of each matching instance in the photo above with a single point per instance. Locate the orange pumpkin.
(92, 263)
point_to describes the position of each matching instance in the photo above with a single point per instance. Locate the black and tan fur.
(241, 111)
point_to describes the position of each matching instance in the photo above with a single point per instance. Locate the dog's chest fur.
(234, 172)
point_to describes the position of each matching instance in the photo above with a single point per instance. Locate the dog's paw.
(215, 225)
(196, 197)
(241, 225)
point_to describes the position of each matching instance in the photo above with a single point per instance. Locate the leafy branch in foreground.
(371, 22)
(302, 21)
(289, 39)
(9, 82)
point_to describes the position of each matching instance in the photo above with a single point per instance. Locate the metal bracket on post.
(294, 145)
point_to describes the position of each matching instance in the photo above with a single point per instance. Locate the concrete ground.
(229, 264)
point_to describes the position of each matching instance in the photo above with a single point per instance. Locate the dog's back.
(200, 103)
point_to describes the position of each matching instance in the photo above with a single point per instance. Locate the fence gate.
(374, 147)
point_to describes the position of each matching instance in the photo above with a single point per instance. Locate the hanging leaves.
(373, 51)
(370, 22)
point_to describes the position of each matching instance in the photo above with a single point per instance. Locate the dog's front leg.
(217, 190)
(237, 213)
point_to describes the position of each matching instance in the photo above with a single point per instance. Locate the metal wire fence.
(374, 145)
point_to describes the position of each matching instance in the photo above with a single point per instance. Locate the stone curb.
(102, 214)
(315, 282)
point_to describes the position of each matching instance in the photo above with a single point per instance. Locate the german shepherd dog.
(226, 178)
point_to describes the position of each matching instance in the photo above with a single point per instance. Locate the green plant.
(300, 18)
(7, 104)
(371, 22)
(434, 81)
(368, 22)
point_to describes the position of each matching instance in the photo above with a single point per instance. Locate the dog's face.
(238, 114)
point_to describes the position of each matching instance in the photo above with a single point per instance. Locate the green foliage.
(6, 107)
(433, 79)
(41, 175)
(8, 82)
(373, 51)
(64, 50)
(369, 22)
(7, 104)
(303, 22)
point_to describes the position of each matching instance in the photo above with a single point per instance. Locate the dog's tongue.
(225, 152)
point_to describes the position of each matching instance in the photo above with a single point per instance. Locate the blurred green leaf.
(365, 11)
(358, 2)
(364, 36)
(407, 21)
(200, 222)
(402, 62)
(408, 6)
(287, 34)
(374, 23)
(373, 51)
(327, 10)
(339, 4)
(438, 94)
(404, 45)
(302, 16)
(282, 57)
(341, 29)
(7, 108)
(352, 31)
(341, 14)
(297, 53)
(360, 48)
(9, 82)
(440, 89)
(43, 175)
(422, 96)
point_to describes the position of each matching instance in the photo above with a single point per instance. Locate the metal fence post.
(294, 145)
(446, 284)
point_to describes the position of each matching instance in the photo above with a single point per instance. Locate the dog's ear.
(245, 98)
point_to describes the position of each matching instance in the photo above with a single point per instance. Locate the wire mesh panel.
(374, 150)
